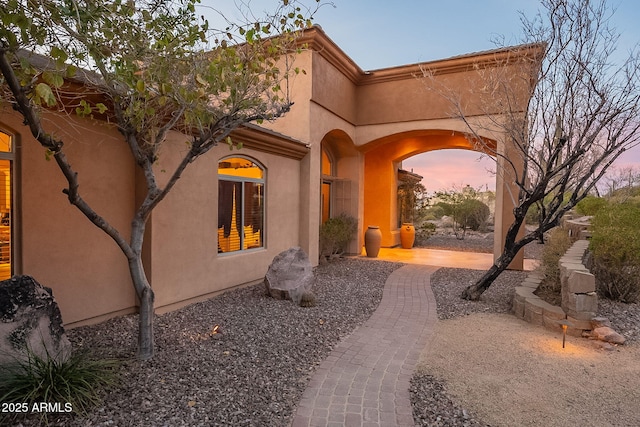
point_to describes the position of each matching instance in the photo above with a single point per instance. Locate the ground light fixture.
(565, 324)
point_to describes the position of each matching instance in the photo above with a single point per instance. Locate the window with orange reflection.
(240, 205)
(327, 171)
(6, 205)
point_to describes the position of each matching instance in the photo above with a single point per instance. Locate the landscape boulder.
(290, 275)
(607, 334)
(30, 320)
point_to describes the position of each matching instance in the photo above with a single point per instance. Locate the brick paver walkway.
(365, 379)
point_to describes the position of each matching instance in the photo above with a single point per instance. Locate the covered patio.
(442, 258)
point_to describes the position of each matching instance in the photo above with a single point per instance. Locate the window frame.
(242, 180)
(14, 173)
(328, 181)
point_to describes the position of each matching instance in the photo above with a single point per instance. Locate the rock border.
(531, 308)
(579, 300)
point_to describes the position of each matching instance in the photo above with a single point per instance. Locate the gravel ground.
(254, 372)
(433, 405)
(251, 374)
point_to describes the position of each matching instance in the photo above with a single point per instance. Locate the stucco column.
(380, 197)
(310, 204)
(506, 197)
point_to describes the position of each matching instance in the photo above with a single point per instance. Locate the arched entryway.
(341, 179)
(382, 159)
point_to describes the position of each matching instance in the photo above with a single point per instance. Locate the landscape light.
(565, 324)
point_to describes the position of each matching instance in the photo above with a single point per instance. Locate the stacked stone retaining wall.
(579, 299)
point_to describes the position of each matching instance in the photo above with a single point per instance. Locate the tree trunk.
(473, 292)
(145, 333)
(146, 296)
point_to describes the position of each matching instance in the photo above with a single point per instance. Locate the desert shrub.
(465, 208)
(615, 248)
(533, 214)
(76, 381)
(557, 244)
(433, 213)
(335, 235)
(445, 208)
(424, 231)
(472, 214)
(466, 214)
(590, 205)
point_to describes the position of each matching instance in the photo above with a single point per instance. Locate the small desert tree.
(580, 112)
(152, 67)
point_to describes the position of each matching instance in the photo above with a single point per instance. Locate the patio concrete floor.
(442, 258)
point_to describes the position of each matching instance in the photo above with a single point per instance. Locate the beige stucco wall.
(184, 227)
(324, 101)
(333, 90)
(297, 122)
(59, 247)
(87, 271)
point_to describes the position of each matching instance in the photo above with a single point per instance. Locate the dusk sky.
(380, 34)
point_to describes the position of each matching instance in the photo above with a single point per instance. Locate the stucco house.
(338, 150)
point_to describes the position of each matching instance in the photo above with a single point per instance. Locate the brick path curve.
(365, 379)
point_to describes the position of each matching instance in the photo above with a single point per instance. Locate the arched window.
(240, 204)
(7, 157)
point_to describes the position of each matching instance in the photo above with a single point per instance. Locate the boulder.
(599, 321)
(290, 275)
(607, 334)
(30, 319)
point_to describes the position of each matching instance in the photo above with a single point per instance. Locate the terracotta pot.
(372, 240)
(407, 235)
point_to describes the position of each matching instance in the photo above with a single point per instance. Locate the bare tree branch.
(581, 114)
